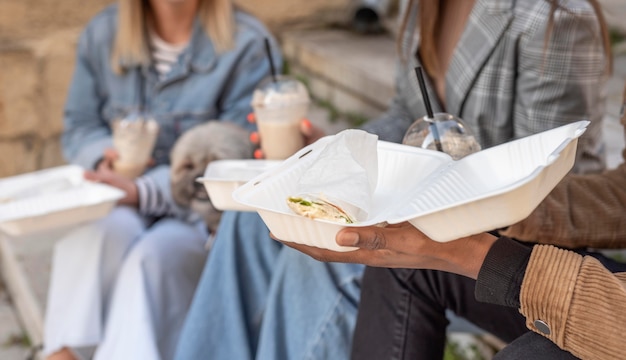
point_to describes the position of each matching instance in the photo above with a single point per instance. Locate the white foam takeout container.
(443, 198)
(51, 199)
(222, 177)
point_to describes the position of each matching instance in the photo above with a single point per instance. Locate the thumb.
(367, 238)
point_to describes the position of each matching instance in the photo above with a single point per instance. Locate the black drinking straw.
(268, 50)
(429, 109)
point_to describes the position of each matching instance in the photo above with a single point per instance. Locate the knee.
(145, 257)
(164, 252)
(119, 230)
(122, 222)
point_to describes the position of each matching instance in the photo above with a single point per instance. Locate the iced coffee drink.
(279, 106)
(134, 140)
(454, 136)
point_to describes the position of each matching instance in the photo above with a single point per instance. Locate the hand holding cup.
(310, 134)
(280, 103)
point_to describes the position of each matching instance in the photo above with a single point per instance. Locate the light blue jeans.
(260, 300)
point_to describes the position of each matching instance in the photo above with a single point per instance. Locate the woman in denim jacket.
(123, 284)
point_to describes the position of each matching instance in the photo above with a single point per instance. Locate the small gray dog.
(193, 151)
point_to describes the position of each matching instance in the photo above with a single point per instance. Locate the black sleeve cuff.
(500, 278)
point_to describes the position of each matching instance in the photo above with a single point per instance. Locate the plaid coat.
(506, 82)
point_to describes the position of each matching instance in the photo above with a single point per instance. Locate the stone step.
(353, 73)
(14, 344)
(26, 272)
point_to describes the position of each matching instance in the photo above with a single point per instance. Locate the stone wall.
(37, 42)
(37, 47)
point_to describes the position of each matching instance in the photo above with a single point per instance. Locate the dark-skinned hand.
(404, 246)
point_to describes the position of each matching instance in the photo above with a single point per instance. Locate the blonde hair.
(429, 16)
(131, 41)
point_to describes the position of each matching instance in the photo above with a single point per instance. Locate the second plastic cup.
(455, 137)
(279, 107)
(134, 140)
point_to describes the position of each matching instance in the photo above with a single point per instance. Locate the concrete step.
(351, 72)
(614, 12)
(14, 343)
(26, 264)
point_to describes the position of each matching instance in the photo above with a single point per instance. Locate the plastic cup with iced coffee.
(279, 106)
(133, 139)
(454, 136)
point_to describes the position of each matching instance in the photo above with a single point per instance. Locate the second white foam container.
(443, 198)
(53, 198)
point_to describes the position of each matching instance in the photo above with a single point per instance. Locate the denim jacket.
(201, 86)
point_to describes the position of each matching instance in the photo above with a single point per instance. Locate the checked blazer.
(506, 82)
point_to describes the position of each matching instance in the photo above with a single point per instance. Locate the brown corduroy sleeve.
(582, 303)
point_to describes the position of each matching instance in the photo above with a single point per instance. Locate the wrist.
(132, 194)
(470, 253)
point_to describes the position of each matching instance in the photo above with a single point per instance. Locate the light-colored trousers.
(122, 287)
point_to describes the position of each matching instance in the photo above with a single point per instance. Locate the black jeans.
(402, 316)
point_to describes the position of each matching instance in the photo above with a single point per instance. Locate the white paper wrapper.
(345, 173)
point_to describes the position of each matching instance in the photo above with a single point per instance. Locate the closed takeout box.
(51, 199)
(443, 198)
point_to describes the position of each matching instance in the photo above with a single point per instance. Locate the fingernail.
(254, 138)
(258, 154)
(306, 123)
(250, 118)
(348, 239)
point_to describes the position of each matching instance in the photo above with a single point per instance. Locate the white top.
(164, 54)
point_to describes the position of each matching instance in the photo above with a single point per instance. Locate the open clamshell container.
(51, 199)
(222, 177)
(443, 198)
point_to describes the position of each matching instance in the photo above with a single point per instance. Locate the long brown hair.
(131, 43)
(429, 17)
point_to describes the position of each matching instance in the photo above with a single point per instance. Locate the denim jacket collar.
(203, 56)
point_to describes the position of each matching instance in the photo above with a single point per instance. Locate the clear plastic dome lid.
(456, 138)
(284, 92)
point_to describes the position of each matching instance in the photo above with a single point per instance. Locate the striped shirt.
(164, 54)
